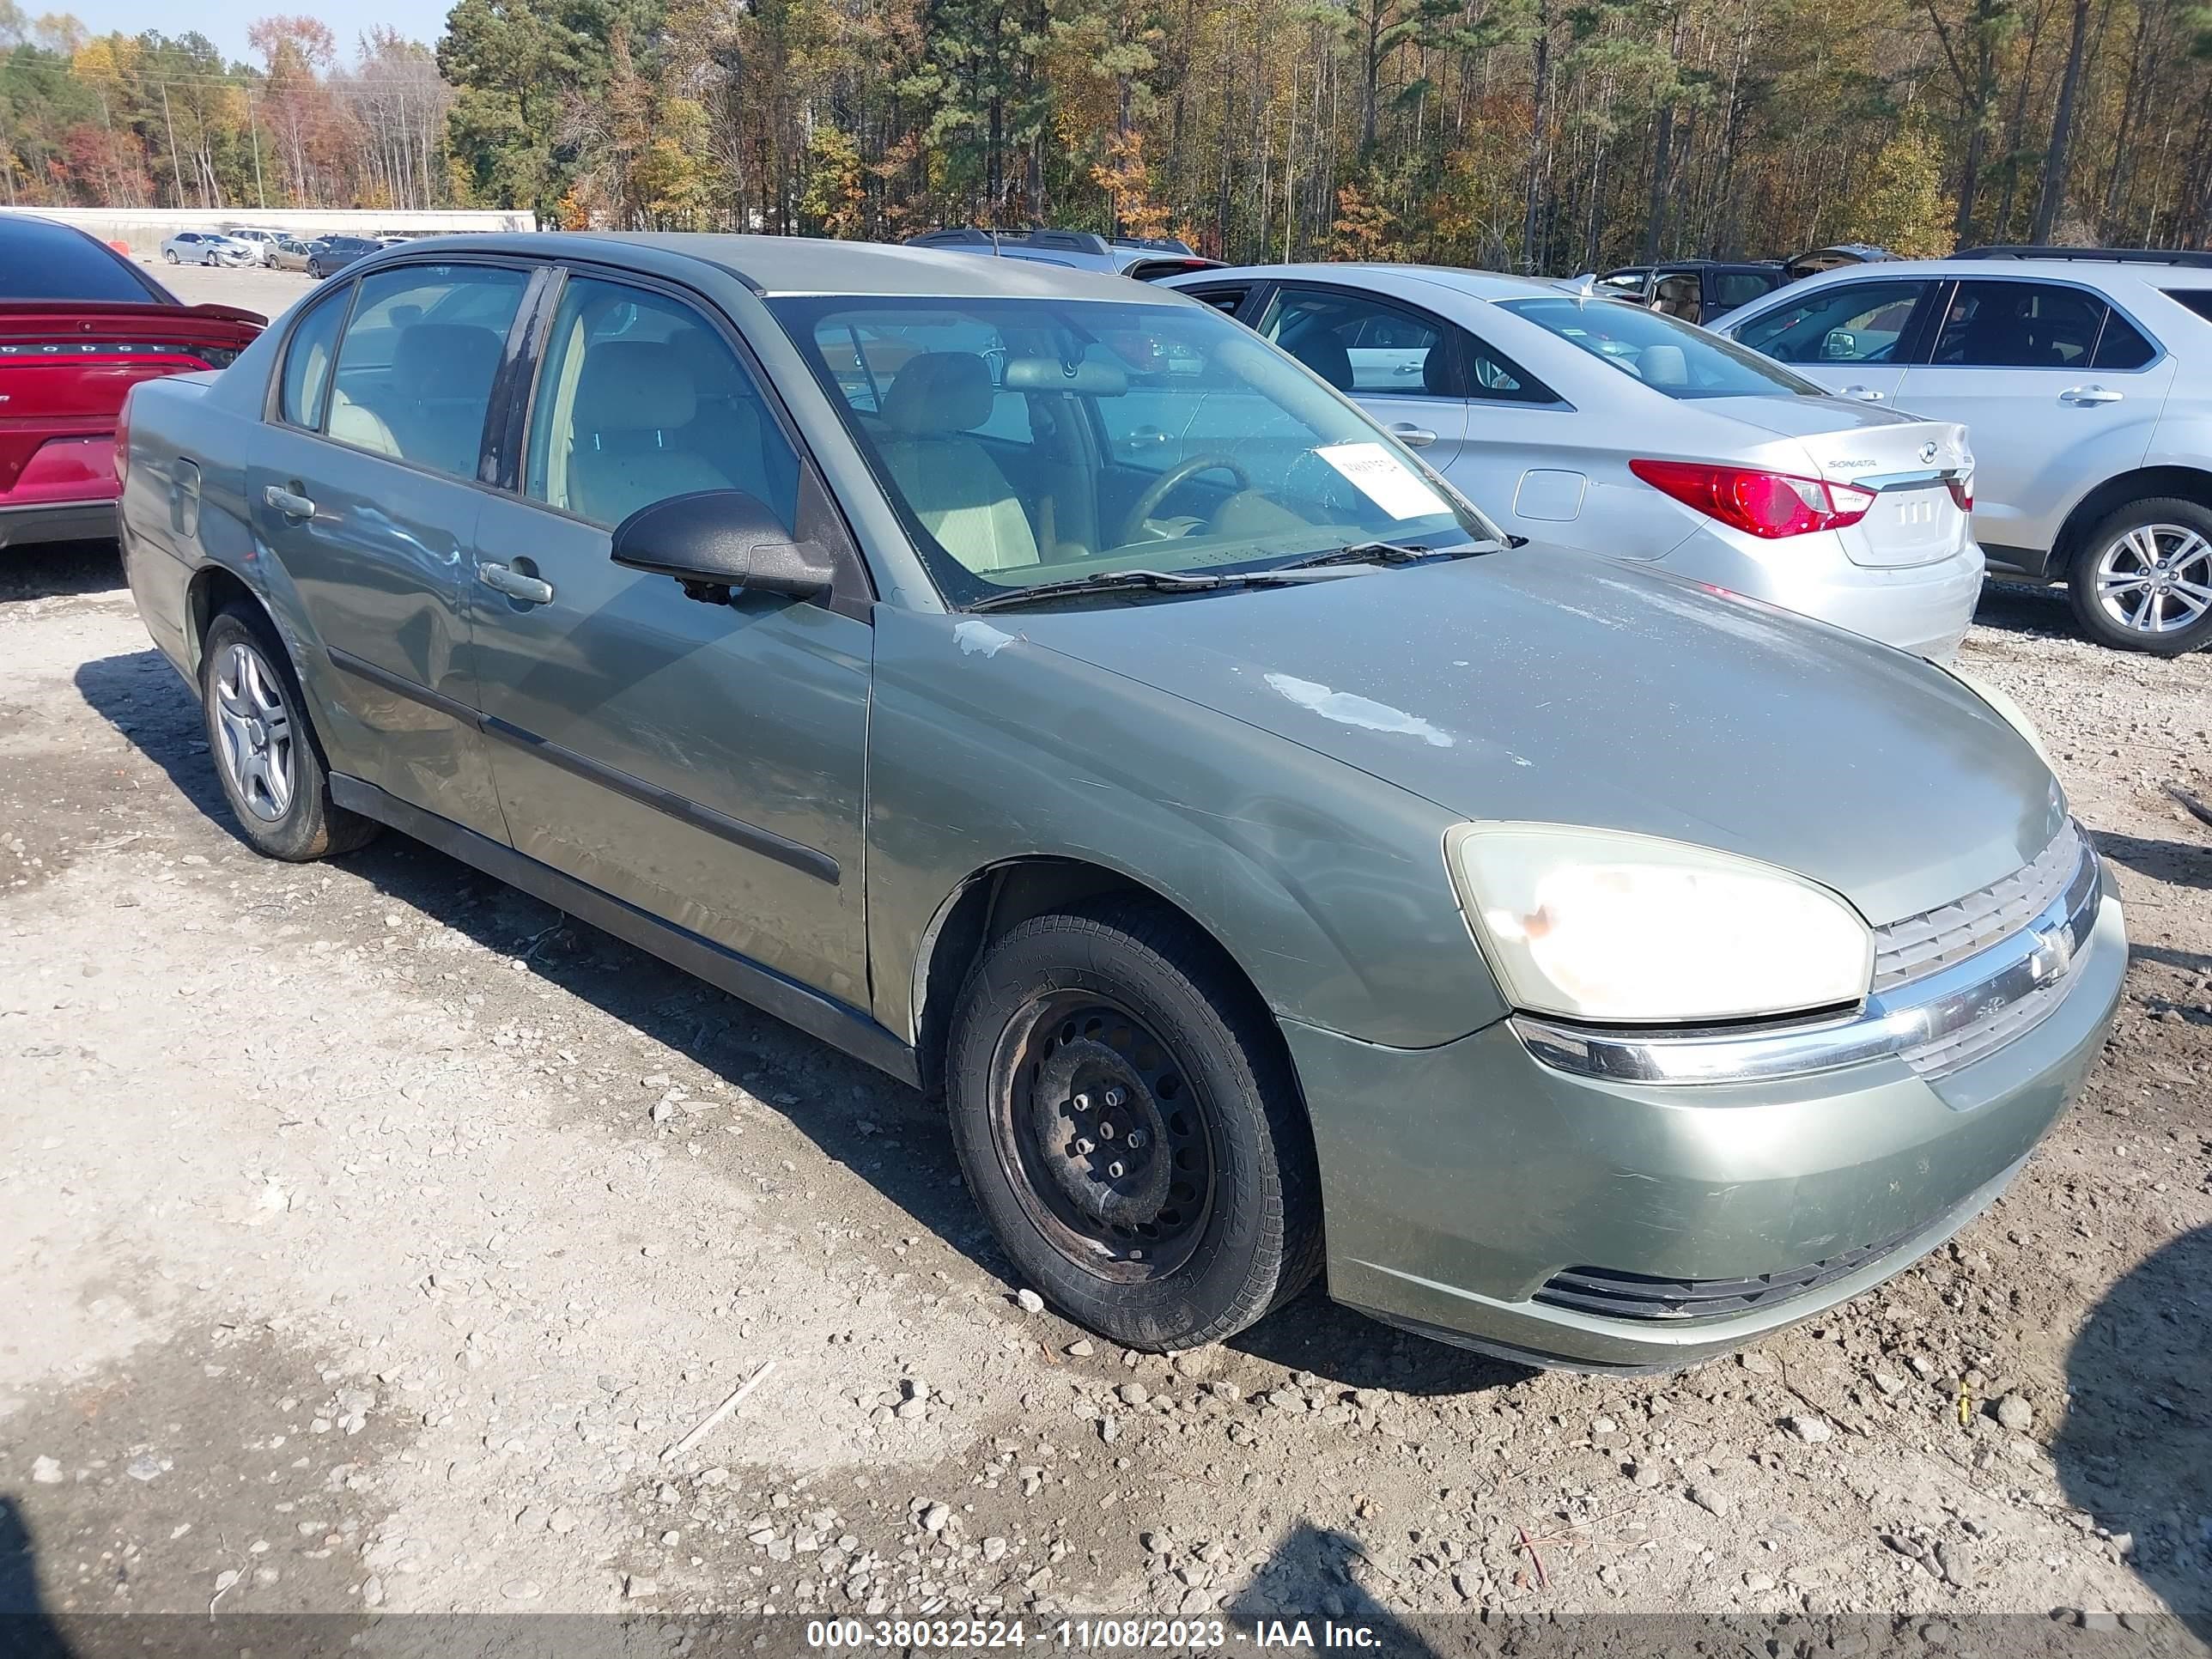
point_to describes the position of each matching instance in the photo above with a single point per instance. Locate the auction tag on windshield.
(1384, 480)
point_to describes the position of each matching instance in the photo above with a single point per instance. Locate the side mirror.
(718, 540)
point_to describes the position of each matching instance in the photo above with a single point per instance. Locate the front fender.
(1327, 886)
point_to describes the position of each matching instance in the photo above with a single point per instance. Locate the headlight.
(2008, 711)
(1600, 925)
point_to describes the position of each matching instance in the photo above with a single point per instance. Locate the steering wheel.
(1133, 526)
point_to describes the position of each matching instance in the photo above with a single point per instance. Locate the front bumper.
(1925, 608)
(1460, 1182)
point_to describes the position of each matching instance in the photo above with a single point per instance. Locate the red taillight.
(1962, 491)
(122, 448)
(1770, 505)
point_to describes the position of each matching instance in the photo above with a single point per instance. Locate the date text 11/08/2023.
(1095, 1635)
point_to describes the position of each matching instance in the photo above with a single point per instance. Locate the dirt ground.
(370, 1232)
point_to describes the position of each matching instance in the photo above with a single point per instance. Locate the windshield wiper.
(1387, 553)
(1109, 581)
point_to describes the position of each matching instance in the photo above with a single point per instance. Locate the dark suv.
(1696, 291)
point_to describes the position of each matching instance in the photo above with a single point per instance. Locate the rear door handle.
(1865, 394)
(2088, 397)
(1414, 437)
(290, 503)
(514, 585)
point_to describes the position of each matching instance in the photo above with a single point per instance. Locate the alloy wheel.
(2156, 578)
(1103, 1138)
(255, 728)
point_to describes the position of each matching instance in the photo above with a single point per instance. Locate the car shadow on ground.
(2017, 608)
(890, 1135)
(2184, 863)
(2135, 1449)
(58, 570)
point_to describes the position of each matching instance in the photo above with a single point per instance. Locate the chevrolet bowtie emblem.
(2053, 954)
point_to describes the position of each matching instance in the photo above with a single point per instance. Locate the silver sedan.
(1578, 421)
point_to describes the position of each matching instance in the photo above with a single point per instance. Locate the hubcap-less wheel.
(1102, 1138)
(254, 726)
(2155, 578)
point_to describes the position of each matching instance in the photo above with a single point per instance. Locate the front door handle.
(514, 585)
(1414, 437)
(2088, 397)
(290, 503)
(1865, 394)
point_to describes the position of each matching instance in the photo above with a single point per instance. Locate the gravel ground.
(372, 1231)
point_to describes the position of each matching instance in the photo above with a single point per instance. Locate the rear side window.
(1992, 324)
(2198, 299)
(308, 357)
(2122, 345)
(1849, 323)
(1732, 289)
(415, 367)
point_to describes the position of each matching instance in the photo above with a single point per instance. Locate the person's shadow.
(25, 1630)
(2135, 1450)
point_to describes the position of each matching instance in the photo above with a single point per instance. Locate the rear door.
(365, 486)
(701, 762)
(1398, 362)
(1854, 338)
(2059, 391)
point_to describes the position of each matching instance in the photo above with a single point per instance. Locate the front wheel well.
(2189, 483)
(988, 904)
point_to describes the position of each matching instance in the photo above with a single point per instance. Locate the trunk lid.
(67, 365)
(1908, 460)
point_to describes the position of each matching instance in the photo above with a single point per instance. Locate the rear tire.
(1128, 1120)
(2136, 575)
(265, 754)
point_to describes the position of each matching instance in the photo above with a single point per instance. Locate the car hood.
(1545, 686)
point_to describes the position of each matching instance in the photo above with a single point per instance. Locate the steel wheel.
(2155, 578)
(1102, 1138)
(255, 726)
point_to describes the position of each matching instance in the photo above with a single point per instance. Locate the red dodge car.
(80, 325)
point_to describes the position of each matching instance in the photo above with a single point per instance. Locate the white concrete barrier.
(144, 229)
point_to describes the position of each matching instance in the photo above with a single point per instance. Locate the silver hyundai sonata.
(1579, 422)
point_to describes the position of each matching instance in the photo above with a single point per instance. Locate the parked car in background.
(1100, 719)
(2085, 377)
(334, 253)
(1146, 259)
(1627, 432)
(80, 325)
(1693, 290)
(208, 247)
(294, 252)
(263, 242)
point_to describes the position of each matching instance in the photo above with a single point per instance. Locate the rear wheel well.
(993, 901)
(2189, 483)
(213, 591)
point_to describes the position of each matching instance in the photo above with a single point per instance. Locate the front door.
(1393, 359)
(2053, 387)
(361, 487)
(703, 763)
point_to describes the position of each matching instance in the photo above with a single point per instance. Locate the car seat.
(951, 483)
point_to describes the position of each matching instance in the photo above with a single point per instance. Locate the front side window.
(1666, 354)
(1158, 438)
(1361, 345)
(414, 370)
(1849, 323)
(1994, 324)
(308, 357)
(639, 398)
(1678, 295)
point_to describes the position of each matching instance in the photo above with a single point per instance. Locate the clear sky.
(225, 21)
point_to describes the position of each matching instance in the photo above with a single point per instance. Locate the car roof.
(2087, 269)
(788, 265)
(1477, 284)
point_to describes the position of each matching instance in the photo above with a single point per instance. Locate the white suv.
(2084, 378)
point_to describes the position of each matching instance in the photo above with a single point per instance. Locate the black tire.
(169, 255)
(2163, 526)
(265, 753)
(1124, 1012)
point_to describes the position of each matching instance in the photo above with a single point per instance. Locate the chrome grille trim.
(1912, 946)
(1936, 1023)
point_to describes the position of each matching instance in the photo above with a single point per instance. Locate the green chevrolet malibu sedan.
(1036, 685)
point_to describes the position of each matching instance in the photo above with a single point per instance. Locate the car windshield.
(1665, 353)
(1035, 441)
